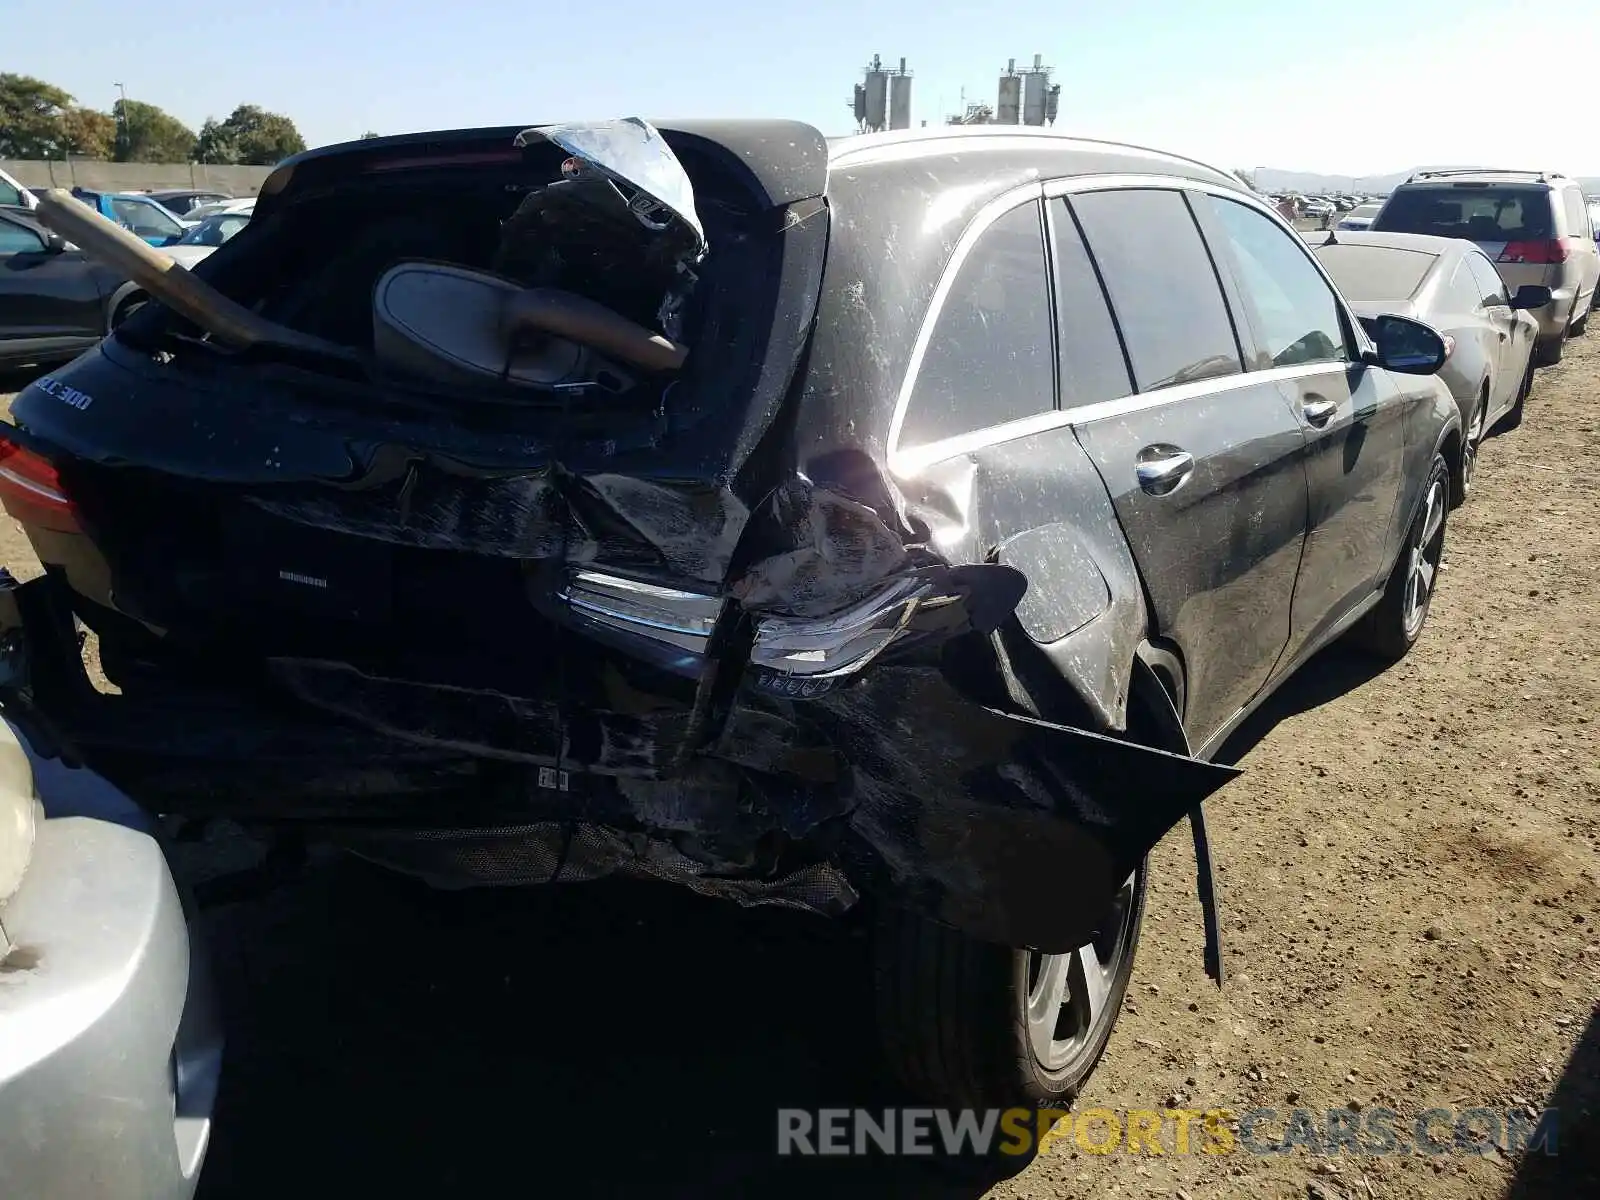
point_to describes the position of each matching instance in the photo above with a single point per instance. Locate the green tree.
(147, 134)
(30, 117)
(88, 133)
(261, 138)
(216, 144)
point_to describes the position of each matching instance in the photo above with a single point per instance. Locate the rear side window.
(988, 360)
(1297, 310)
(1163, 287)
(1577, 217)
(1092, 365)
(17, 239)
(1479, 214)
(9, 194)
(1491, 289)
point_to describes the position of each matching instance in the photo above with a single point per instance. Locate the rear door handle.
(1161, 469)
(1319, 411)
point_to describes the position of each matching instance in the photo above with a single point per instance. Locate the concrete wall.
(99, 176)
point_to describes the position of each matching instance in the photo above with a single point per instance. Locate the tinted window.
(213, 231)
(988, 359)
(15, 239)
(1163, 287)
(144, 218)
(1491, 290)
(1298, 312)
(9, 194)
(1479, 214)
(1092, 366)
(1375, 272)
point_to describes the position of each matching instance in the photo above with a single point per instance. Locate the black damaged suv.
(907, 518)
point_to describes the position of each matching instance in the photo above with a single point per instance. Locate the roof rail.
(1541, 176)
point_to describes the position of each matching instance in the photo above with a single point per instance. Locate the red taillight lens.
(31, 491)
(1535, 253)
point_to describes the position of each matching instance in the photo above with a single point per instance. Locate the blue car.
(144, 216)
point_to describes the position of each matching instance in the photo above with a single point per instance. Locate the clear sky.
(1358, 87)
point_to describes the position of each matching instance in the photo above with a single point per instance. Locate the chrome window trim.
(906, 462)
(1028, 193)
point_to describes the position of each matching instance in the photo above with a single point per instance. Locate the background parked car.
(1533, 225)
(201, 211)
(1450, 284)
(199, 241)
(179, 202)
(145, 217)
(14, 195)
(1360, 217)
(55, 301)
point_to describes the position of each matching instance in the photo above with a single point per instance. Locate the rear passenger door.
(1203, 462)
(1353, 416)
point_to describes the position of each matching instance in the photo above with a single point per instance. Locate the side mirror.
(1531, 295)
(1406, 346)
(54, 243)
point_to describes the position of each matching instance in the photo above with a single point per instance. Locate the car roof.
(1546, 179)
(1071, 155)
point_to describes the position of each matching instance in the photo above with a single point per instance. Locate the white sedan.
(205, 237)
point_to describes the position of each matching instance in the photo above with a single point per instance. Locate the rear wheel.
(1474, 439)
(1513, 416)
(969, 1023)
(1393, 627)
(1548, 352)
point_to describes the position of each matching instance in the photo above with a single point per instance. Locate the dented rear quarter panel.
(1035, 503)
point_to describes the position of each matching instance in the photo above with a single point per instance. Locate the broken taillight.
(31, 491)
(1540, 253)
(670, 617)
(844, 642)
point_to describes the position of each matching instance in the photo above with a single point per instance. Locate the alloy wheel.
(1069, 995)
(1427, 549)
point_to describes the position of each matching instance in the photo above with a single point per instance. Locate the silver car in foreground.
(110, 1046)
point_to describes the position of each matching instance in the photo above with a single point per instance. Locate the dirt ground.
(1410, 880)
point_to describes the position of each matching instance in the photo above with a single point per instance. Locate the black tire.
(953, 1011)
(1548, 353)
(1513, 416)
(1395, 624)
(1472, 442)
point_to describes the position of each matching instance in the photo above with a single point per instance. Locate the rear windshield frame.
(1404, 213)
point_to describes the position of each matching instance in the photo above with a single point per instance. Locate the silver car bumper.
(109, 1043)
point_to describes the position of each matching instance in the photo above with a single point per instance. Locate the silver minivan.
(1533, 225)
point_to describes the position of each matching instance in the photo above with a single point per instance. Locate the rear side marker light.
(31, 491)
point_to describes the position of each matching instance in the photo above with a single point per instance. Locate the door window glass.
(1298, 311)
(10, 194)
(1491, 288)
(1163, 287)
(1092, 366)
(15, 239)
(988, 360)
(144, 218)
